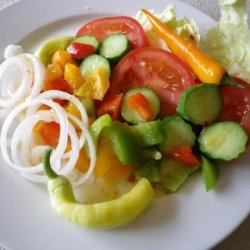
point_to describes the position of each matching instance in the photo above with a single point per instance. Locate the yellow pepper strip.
(96, 85)
(206, 69)
(73, 76)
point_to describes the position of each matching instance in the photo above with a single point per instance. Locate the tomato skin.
(185, 155)
(236, 104)
(80, 50)
(157, 69)
(118, 24)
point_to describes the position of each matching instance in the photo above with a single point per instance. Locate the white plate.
(191, 219)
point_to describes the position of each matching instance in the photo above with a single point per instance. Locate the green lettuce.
(229, 41)
(185, 27)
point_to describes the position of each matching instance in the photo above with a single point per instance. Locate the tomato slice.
(236, 104)
(119, 24)
(163, 72)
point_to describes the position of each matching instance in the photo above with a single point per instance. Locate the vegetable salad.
(122, 103)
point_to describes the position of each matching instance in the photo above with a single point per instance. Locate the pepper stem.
(227, 80)
(47, 166)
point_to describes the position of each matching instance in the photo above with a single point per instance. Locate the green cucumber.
(149, 170)
(223, 141)
(115, 46)
(174, 173)
(200, 104)
(210, 173)
(177, 134)
(131, 115)
(93, 62)
(88, 39)
(148, 133)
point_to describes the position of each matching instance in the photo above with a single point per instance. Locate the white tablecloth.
(240, 239)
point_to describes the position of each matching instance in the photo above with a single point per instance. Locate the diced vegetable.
(50, 132)
(140, 105)
(210, 173)
(73, 76)
(200, 104)
(96, 85)
(80, 50)
(149, 133)
(53, 71)
(178, 133)
(92, 63)
(185, 155)
(115, 46)
(62, 57)
(98, 125)
(123, 142)
(111, 105)
(148, 170)
(87, 39)
(174, 173)
(223, 141)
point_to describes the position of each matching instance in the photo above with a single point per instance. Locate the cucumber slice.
(132, 115)
(200, 104)
(210, 173)
(93, 62)
(87, 39)
(149, 170)
(223, 141)
(148, 133)
(114, 46)
(174, 173)
(177, 134)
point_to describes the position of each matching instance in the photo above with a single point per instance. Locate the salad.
(124, 107)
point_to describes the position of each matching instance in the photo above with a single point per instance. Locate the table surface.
(239, 239)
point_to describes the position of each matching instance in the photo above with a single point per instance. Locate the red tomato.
(236, 104)
(163, 72)
(50, 132)
(111, 25)
(80, 50)
(185, 155)
(58, 84)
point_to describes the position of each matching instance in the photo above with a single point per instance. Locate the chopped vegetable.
(80, 50)
(115, 46)
(185, 155)
(210, 173)
(175, 127)
(62, 57)
(223, 141)
(110, 105)
(200, 104)
(96, 85)
(174, 173)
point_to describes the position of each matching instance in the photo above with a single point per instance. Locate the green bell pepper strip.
(123, 143)
(102, 215)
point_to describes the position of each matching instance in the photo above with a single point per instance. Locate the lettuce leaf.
(229, 41)
(185, 27)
